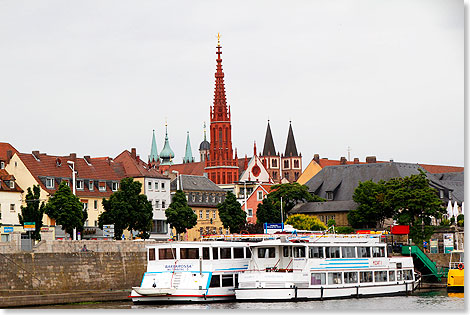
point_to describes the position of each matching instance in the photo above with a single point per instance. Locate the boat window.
(349, 252)
(378, 251)
(363, 252)
(299, 251)
(227, 280)
(286, 251)
(365, 276)
(225, 253)
(238, 252)
(350, 277)
(166, 253)
(315, 252)
(391, 275)
(215, 253)
(215, 281)
(318, 278)
(334, 278)
(189, 253)
(407, 275)
(205, 253)
(332, 252)
(380, 276)
(399, 275)
(248, 252)
(151, 253)
(266, 252)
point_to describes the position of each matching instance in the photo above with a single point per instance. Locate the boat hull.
(181, 297)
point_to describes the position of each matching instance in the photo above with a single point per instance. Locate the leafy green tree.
(231, 213)
(372, 209)
(413, 203)
(344, 229)
(305, 222)
(33, 211)
(292, 193)
(66, 209)
(331, 222)
(460, 220)
(128, 209)
(179, 215)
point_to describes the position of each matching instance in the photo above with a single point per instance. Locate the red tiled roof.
(195, 168)
(4, 147)
(134, 167)
(4, 176)
(437, 169)
(99, 169)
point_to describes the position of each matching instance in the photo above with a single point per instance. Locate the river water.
(436, 300)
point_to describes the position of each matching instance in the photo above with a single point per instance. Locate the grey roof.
(205, 145)
(328, 206)
(454, 181)
(343, 179)
(269, 149)
(291, 148)
(195, 183)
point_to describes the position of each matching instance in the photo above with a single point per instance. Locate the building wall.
(160, 199)
(311, 170)
(7, 199)
(207, 224)
(341, 218)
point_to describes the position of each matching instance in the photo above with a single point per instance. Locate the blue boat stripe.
(343, 263)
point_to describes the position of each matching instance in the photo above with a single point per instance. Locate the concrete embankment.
(106, 272)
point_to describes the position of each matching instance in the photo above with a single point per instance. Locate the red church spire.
(219, 111)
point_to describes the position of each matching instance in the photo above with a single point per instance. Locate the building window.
(296, 175)
(90, 185)
(200, 214)
(115, 186)
(329, 195)
(274, 163)
(157, 203)
(2, 165)
(441, 193)
(96, 222)
(260, 195)
(156, 186)
(102, 186)
(450, 194)
(149, 185)
(250, 213)
(66, 181)
(275, 175)
(163, 204)
(207, 214)
(49, 182)
(163, 186)
(160, 226)
(286, 164)
(296, 163)
(79, 184)
(12, 184)
(85, 205)
(286, 175)
(12, 207)
(214, 215)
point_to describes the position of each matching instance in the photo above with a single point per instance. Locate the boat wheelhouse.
(324, 266)
(192, 272)
(455, 275)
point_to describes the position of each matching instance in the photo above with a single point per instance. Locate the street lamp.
(72, 163)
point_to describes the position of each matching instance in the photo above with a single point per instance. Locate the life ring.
(460, 265)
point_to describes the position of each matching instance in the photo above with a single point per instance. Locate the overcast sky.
(385, 78)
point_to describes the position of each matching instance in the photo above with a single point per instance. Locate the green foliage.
(372, 209)
(33, 211)
(66, 209)
(305, 222)
(460, 220)
(445, 222)
(460, 223)
(269, 211)
(344, 230)
(179, 215)
(452, 220)
(331, 222)
(231, 213)
(251, 228)
(128, 209)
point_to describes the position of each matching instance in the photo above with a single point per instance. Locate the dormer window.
(49, 182)
(329, 195)
(90, 185)
(102, 186)
(79, 184)
(2, 165)
(115, 186)
(12, 184)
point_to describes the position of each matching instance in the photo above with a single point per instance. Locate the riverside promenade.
(56, 272)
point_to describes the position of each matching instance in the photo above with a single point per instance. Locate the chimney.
(356, 160)
(87, 159)
(73, 156)
(9, 155)
(370, 159)
(316, 158)
(134, 153)
(342, 160)
(36, 155)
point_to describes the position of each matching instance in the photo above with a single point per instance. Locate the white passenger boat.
(324, 266)
(192, 271)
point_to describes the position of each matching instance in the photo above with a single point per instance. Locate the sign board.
(7, 229)
(29, 226)
(448, 243)
(400, 229)
(434, 248)
(271, 228)
(108, 230)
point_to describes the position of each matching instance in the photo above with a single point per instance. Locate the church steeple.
(153, 157)
(167, 153)
(269, 149)
(291, 148)
(188, 156)
(219, 111)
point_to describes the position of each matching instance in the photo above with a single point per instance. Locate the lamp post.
(177, 177)
(282, 218)
(244, 195)
(72, 163)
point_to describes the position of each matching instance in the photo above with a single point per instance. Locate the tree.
(33, 211)
(128, 209)
(305, 222)
(292, 193)
(179, 215)
(372, 209)
(413, 203)
(66, 209)
(231, 213)
(331, 222)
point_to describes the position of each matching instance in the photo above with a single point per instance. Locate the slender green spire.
(188, 156)
(167, 153)
(153, 157)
